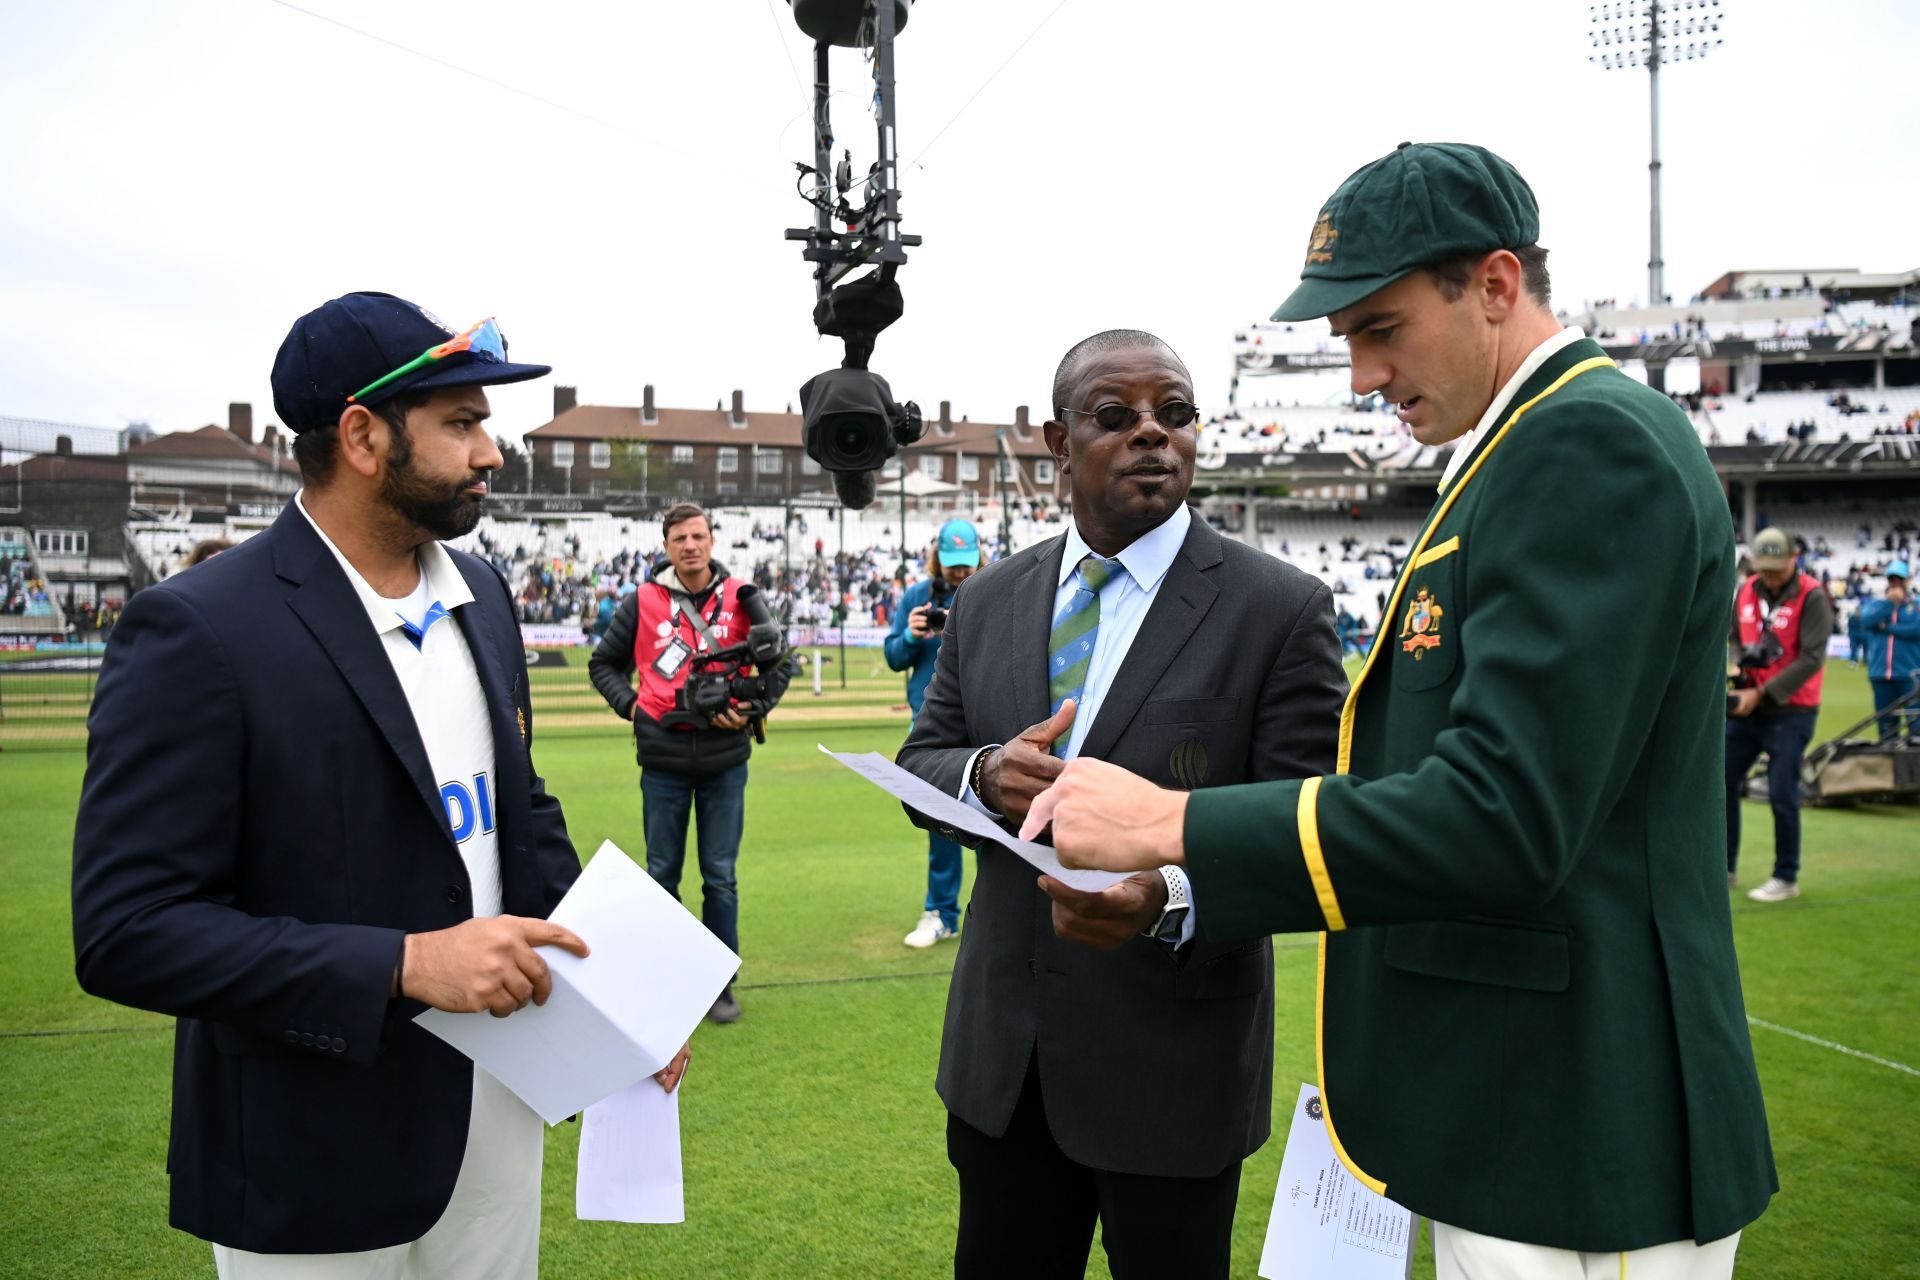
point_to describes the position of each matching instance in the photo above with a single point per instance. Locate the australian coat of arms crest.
(1421, 630)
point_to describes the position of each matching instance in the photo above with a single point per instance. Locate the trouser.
(721, 804)
(1888, 692)
(1028, 1210)
(490, 1231)
(1466, 1255)
(1783, 736)
(945, 863)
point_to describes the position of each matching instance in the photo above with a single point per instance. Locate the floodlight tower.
(1650, 33)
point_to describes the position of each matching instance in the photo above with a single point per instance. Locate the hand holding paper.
(484, 965)
(614, 1018)
(1025, 767)
(1108, 818)
(940, 807)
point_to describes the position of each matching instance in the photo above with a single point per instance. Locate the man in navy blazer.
(310, 811)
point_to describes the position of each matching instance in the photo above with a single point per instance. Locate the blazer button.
(1033, 968)
(453, 893)
(291, 1036)
(306, 1039)
(339, 1045)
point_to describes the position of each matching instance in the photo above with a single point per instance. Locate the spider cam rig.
(851, 423)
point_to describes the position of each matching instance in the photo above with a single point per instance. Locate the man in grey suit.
(1141, 637)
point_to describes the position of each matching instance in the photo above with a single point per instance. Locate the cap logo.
(434, 320)
(1320, 243)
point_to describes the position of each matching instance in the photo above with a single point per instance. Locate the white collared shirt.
(442, 688)
(1463, 447)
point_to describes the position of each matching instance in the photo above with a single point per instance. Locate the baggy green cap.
(1416, 205)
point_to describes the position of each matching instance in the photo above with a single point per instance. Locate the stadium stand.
(26, 606)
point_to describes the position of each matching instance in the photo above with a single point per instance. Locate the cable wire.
(781, 40)
(989, 80)
(486, 79)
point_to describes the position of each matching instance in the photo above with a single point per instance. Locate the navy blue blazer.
(258, 829)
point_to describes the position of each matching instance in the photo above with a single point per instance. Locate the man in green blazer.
(1530, 1022)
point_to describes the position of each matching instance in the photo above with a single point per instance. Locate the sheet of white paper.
(1325, 1225)
(629, 1168)
(613, 1018)
(936, 804)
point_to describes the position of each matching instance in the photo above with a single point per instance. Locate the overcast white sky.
(181, 180)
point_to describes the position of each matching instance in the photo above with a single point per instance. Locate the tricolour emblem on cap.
(1320, 243)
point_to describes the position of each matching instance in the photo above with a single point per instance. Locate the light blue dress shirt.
(1124, 603)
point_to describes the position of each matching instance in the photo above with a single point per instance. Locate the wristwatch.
(1173, 917)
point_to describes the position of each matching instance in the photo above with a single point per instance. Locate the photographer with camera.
(1782, 619)
(912, 646)
(712, 664)
(1890, 637)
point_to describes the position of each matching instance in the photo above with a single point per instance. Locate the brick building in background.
(722, 454)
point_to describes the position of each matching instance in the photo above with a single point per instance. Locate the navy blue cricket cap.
(341, 346)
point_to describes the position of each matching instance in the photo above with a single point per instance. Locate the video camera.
(851, 424)
(1753, 658)
(718, 679)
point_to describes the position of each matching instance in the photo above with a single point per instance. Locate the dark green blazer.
(1530, 1020)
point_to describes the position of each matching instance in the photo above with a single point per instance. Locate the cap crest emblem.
(1320, 243)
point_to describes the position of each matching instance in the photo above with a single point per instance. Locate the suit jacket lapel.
(1026, 641)
(326, 602)
(1182, 601)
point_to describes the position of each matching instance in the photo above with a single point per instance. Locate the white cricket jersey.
(449, 708)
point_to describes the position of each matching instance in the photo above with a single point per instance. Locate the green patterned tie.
(1075, 633)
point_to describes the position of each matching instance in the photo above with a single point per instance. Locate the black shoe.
(726, 1008)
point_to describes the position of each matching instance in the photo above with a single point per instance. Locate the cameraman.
(912, 646)
(1782, 618)
(690, 606)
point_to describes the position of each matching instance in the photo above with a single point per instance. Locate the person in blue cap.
(1891, 626)
(912, 646)
(311, 811)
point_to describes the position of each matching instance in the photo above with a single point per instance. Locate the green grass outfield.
(814, 1142)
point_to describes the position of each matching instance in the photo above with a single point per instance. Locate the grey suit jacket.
(1234, 676)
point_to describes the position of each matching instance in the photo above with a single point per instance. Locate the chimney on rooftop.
(647, 412)
(739, 415)
(1020, 422)
(270, 437)
(564, 398)
(240, 421)
(63, 446)
(946, 417)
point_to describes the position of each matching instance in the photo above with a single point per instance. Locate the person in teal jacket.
(1892, 629)
(911, 646)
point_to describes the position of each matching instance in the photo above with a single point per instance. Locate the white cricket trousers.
(1466, 1255)
(490, 1231)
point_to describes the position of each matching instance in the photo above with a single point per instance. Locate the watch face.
(1171, 921)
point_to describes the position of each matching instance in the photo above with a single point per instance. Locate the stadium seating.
(25, 603)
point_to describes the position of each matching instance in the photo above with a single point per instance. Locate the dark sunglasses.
(1172, 415)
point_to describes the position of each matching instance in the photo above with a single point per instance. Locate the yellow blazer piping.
(1454, 490)
(1440, 552)
(1309, 800)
